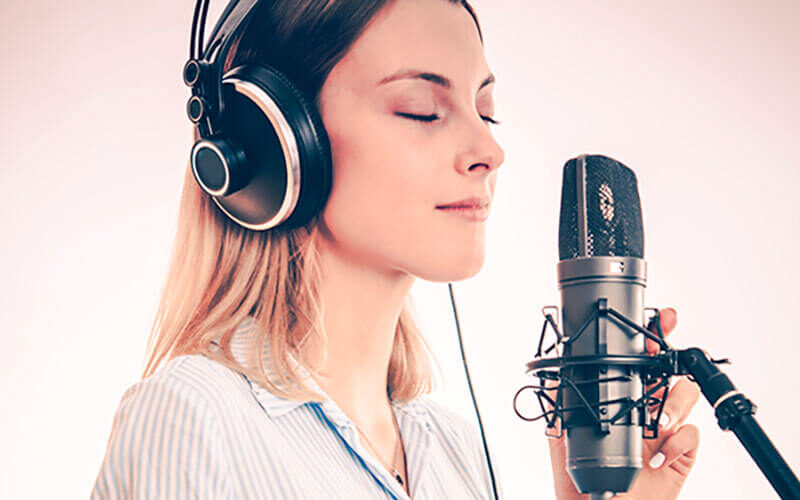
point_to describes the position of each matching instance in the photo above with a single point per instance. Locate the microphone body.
(602, 458)
(601, 267)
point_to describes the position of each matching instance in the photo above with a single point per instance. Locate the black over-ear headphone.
(264, 155)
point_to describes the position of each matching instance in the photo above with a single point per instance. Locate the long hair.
(221, 274)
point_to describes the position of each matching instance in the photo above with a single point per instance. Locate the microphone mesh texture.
(613, 215)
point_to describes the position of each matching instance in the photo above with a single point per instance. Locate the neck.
(361, 307)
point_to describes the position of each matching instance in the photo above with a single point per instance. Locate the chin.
(449, 271)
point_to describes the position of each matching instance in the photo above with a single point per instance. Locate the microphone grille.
(600, 210)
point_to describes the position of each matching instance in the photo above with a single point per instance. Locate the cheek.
(373, 172)
(382, 186)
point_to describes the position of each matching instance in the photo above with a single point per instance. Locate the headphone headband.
(234, 15)
(210, 58)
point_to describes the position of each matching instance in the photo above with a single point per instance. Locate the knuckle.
(686, 438)
(693, 432)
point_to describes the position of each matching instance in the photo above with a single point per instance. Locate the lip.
(471, 202)
(475, 208)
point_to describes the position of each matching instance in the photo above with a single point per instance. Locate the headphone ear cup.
(219, 167)
(315, 151)
(275, 139)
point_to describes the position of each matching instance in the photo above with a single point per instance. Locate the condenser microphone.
(601, 267)
(601, 387)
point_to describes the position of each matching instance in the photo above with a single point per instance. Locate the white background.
(698, 97)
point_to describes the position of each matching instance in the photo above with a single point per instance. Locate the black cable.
(471, 392)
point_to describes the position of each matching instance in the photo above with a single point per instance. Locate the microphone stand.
(736, 413)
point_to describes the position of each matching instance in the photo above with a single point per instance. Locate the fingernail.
(657, 460)
(664, 421)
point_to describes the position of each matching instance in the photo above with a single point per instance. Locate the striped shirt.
(197, 429)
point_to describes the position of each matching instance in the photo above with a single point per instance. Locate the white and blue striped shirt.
(197, 429)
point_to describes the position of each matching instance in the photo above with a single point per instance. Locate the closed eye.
(432, 118)
(421, 118)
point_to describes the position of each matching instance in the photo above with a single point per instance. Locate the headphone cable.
(471, 392)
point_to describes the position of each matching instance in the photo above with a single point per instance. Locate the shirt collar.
(276, 406)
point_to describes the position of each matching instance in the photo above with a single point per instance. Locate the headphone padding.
(312, 139)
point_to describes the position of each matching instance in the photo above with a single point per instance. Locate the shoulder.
(162, 420)
(188, 390)
(192, 380)
(192, 370)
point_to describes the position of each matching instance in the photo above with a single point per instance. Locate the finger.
(679, 451)
(680, 400)
(562, 481)
(668, 317)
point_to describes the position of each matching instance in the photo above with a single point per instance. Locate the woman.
(292, 367)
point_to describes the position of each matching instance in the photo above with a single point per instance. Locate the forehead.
(431, 35)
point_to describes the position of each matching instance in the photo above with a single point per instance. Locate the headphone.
(263, 154)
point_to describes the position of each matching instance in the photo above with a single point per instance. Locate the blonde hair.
(221, 273)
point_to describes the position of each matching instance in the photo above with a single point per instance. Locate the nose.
(481, 152)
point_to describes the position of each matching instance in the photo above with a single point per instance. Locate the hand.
(676, 443)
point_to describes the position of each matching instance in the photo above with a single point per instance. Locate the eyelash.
(432, 118)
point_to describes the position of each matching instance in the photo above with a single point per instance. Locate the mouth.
(473, 209)
(474, 202)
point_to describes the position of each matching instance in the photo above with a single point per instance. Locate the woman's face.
(390, 171)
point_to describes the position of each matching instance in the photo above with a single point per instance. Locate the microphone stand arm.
(736, 413)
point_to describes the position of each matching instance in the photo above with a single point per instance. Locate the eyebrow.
(430, 77)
